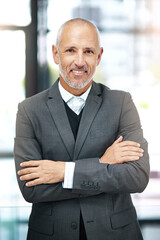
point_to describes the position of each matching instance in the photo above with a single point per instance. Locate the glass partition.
(15, 12)
(13, 219)
(12, 84)
(14, 223)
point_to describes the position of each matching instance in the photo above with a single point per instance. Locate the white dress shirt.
(69, 169)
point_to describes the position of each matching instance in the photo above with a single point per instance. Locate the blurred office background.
(130, 35)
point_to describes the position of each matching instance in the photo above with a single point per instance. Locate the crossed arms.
(48, 171)
(123, 167)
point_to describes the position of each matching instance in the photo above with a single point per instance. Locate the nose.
(79, 59)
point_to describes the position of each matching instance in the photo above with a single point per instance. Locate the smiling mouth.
(79, 72)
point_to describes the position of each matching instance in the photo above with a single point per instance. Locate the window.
(12, 91)
(15, 12)
(12, 82)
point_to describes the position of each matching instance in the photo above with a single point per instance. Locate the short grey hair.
(76, 20)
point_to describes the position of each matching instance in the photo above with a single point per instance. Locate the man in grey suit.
(78, 167)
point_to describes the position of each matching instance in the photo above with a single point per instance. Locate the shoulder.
(41, 98)
(111, 94)
(34, 102)
(36, 98)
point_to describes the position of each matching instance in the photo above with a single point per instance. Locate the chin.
(79, 86)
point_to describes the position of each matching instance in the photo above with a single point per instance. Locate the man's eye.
(89, 52)
(69, 50)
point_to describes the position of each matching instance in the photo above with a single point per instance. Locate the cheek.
(65, 64)
(92, 63)
(93, 66)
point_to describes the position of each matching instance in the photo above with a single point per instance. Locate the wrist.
(62, 166)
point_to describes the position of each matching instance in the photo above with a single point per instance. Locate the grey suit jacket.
(100, 191)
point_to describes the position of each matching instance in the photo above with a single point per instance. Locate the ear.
(99, 56)
(55, 54)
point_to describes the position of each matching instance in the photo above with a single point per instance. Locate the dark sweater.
(74, 119)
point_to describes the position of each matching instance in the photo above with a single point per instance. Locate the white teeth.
(78, 71)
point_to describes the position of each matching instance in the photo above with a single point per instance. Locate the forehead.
(79, 34)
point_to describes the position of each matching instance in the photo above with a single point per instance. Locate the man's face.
(78, 55)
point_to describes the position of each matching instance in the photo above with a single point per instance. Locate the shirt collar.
(66, 96)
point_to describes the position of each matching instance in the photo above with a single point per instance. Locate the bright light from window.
(15, 12)
(12, 72)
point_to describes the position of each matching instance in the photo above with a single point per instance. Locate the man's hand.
(42, 172)
(122, 151)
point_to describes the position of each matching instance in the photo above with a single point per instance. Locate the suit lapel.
(90, 110)
(58, 112)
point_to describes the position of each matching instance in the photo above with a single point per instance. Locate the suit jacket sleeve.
(27, 148)
(130, 177)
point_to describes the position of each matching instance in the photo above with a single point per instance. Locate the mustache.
(83, 68)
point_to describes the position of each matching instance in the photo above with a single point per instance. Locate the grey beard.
(75, 86)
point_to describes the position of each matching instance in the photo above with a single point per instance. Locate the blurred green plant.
(155, 69)
(53, 73)
(99, 77)
(144, 105)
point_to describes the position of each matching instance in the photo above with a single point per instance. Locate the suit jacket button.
(74, 225)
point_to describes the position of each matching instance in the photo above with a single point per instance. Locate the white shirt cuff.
(68, 177)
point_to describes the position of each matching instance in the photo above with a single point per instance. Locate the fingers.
(129, 143)
(130, 152)
(35, 182)
(29, 172)
(42, 172)
(26, 171)
(122, 151)
(29, 177)
(125, 159)
(129, 148)
(128, 156)
(133, 150)
(120, 139)
(30, 164)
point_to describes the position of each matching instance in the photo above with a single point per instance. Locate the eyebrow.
(90, 48)
(85, 48)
